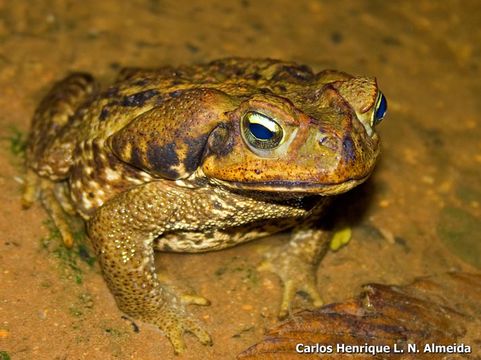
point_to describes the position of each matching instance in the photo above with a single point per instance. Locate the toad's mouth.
(297, 188)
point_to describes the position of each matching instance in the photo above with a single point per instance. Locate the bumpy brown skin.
(160, 161)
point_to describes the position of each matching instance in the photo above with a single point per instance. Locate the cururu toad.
(200, 158)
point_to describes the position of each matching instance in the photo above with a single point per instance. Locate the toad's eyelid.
(380, 108)
(256, 118)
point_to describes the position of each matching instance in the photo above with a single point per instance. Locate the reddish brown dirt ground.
(419, 214)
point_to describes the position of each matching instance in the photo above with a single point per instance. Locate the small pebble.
(388, 235)
(42, 314)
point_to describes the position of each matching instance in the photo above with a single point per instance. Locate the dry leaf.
(442, 310)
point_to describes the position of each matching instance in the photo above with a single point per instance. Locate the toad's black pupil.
(381, 109)
(260, 131)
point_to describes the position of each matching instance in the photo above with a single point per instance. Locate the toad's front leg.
(296, 263)
(122, 232)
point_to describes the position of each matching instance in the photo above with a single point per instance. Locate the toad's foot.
(54, 200)
(296, 263)
(174, 321)
(165, 307)
(296, 274)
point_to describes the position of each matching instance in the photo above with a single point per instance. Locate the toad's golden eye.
(380, 109)
(261, 131)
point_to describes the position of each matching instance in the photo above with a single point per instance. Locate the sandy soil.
(419, 214)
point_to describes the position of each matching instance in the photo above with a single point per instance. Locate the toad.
(200, 158)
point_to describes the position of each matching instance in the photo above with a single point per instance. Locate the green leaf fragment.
(340, 238)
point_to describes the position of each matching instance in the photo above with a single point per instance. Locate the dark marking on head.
(139, 98)
(104, 113)
(196, 149)
(162, 158)
(348, 149)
